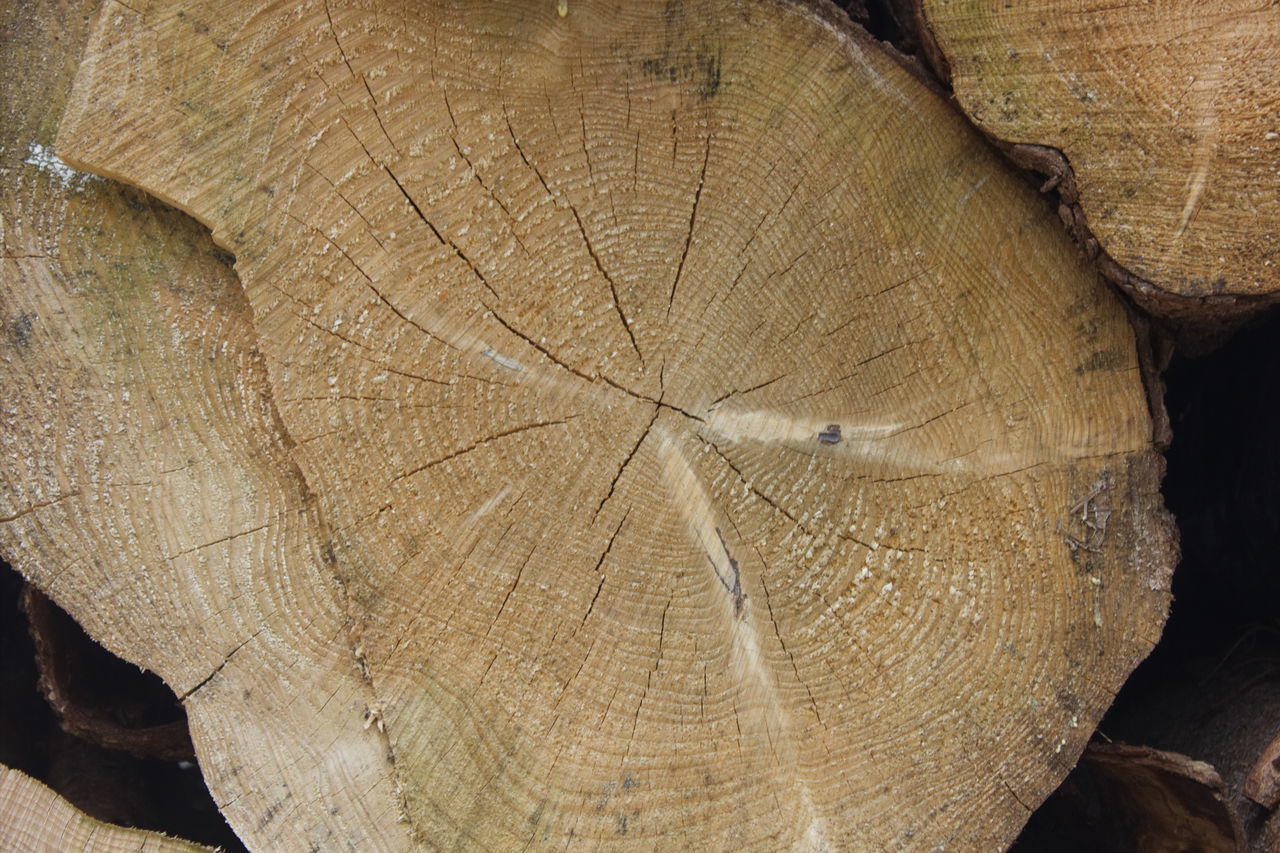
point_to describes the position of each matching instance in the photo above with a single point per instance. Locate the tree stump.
(673, 426)
(1159, 124)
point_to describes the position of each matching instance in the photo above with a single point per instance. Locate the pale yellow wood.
(34, 819)
(719, 448)
(1167, 112)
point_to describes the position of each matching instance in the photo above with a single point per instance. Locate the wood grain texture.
(1168, 117)
(147, 486)
(679, 442)
(33, 819)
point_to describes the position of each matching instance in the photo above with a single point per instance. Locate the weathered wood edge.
(1198, 323)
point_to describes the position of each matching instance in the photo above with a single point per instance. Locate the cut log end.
(655, 437)
(34, 818)
(1166, 117)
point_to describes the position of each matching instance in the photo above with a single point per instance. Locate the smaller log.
(1171, 801)
(136, 403)
(35, 819)
(1123, 797)
(1157, 125)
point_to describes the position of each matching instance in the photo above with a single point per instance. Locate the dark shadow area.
(102, 699)
(1211, 688)
(1223, 485)
(890, 21)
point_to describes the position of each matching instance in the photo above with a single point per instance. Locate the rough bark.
(1162, 801)
(92, 702)
(679, 441)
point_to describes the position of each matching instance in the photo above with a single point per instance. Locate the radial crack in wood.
(146, 480)
(719, 447)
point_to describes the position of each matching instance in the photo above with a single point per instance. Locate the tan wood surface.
(34, 819)
(147, 485)
(689, 433)
(1168, 115)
